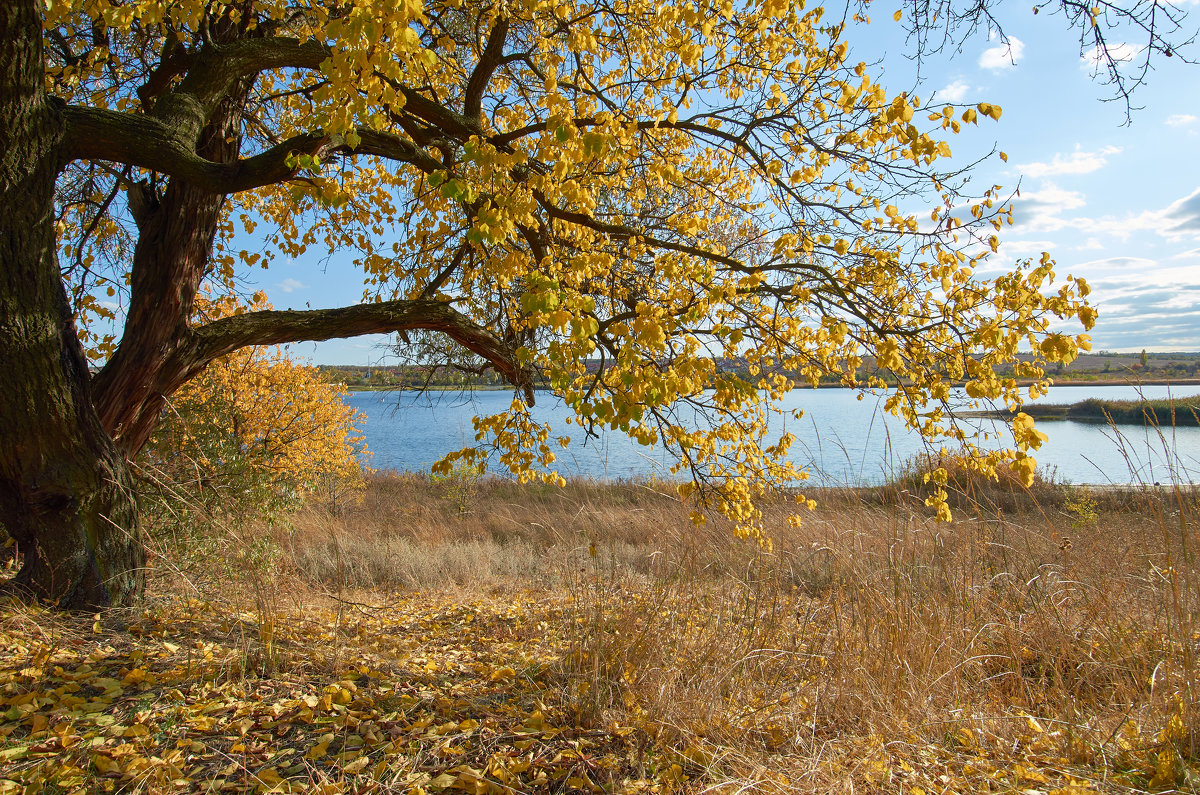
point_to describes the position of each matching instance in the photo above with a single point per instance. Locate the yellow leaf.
(269, 777)
(443, 781)
(320, 749)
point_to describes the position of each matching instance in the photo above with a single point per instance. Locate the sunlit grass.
(1043, 634)
(1044, 641)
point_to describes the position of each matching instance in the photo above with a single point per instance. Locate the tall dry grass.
(1056, 626)
(1068, 613)
(411, 532)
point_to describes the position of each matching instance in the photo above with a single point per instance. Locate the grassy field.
(471, 635)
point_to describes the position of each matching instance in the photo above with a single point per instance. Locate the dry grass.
(412, 533)
(1033, 647)
(870, 628)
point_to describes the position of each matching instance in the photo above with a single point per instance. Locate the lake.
(841, 440)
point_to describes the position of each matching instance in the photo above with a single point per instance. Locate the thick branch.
(488, 61)
(145, 141)
(446, 120)
(274, 327)
(217, 69)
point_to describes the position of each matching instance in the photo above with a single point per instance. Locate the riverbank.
(464, 634)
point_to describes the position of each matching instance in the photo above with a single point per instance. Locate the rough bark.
(65, 492)
(171, 257)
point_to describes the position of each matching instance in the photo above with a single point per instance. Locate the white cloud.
(1091, 244)
(291, 285)
(1124, 227)
(1119, 269)
(1180, 120)
(1078, 162)
(1183, 216)
(955, 92)
(1143, 302)
(1052, 195)
(1041, 210)
(1004, 56)
(1177, 222)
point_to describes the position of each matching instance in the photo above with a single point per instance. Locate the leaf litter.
(430, 694)
(413, 698)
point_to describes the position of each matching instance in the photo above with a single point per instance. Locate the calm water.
(842, 440)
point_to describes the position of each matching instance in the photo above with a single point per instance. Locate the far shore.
(1112, 382)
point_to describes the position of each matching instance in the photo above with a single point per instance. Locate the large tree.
(543, 183)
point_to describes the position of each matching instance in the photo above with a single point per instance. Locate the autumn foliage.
(646, 186)
(652, 186)
(255, 435)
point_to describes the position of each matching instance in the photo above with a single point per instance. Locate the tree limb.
(488, 61)
(274, 327)
(216, 69)
(146, 142)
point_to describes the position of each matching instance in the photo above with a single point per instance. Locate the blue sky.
(1116, 203)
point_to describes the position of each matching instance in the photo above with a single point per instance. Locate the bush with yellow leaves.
(253, 437)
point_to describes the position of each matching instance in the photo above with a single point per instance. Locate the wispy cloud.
(1020, 249)
(1078, 162)
(1003, 56)
(1041, 210)
(291, 285)
(1045, 211)
(1118, 267)
(1180, 120)
(1143, 304)
(1184, 215)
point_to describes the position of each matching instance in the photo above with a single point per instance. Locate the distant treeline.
(1175, 412)
(1092, 368)
(404, 376)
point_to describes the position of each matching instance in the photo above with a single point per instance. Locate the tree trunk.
(66, 493)
(171, 259)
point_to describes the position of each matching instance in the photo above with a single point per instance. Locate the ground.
(592, 641)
